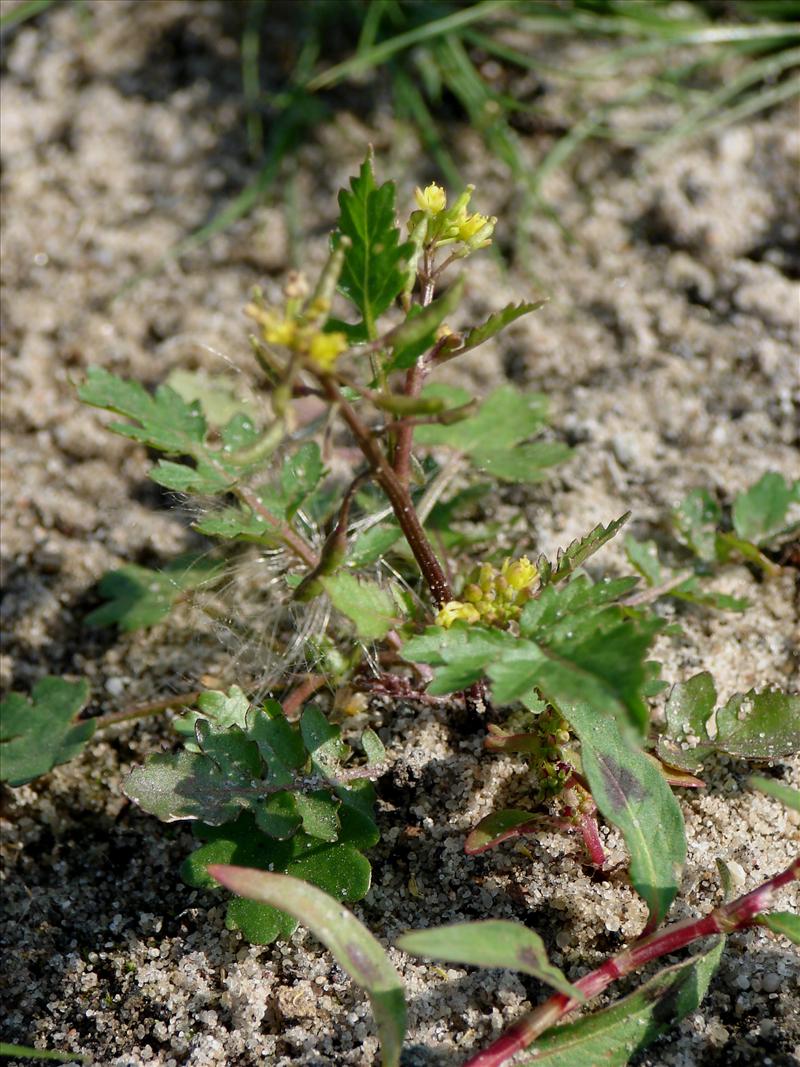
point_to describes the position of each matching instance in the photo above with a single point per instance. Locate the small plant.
(384, 577)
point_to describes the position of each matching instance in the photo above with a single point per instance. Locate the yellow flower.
(277, 331)
(325, 349)
(432, 199)
(455, 610)
(519, 573)
(469, 225)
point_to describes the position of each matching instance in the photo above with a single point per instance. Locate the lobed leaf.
(41, 733)
(165, 420)
(497, 322)
(612, 1036)
(753, 725)
(371, 608)
(339, 869)
(570, 558)
(215, 393)
(138, 597)
(696, 520)
(373, 273)
(490, 943)
(763, 512)
(351, 944)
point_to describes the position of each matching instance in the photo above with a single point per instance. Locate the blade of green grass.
(28, 10)
(379, 53)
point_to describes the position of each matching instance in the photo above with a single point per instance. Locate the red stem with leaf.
(737, 915)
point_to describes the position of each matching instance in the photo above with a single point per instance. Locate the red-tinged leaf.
(503, 826)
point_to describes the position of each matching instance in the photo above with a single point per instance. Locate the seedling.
(385, 576)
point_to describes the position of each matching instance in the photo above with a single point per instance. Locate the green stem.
(178, 700)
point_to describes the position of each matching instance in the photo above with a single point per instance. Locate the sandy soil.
(668, 348)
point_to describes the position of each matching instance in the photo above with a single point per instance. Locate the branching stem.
(737, 915)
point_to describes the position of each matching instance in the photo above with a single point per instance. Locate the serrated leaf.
(139, 597)
(41, 733)
(365, 603)
(372, 545)
(785, 923)
(237, 523)
(460, 654)
(612, 1036)
(498, 827)
(788, 796)
(351, 944)
(497, 322)
(696, 520)
(525, 463)
(418, 333)
(373, 272)
(216, 394)
(166, 421)
(570, 558)
(762, 513)
(490, 943)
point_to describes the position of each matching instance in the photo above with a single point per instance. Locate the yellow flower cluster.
(321, 349)
(456, 224)
(493, 597)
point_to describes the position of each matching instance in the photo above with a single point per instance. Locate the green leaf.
(785, 923)
(644, 557)
(612, 1036)
(506, 417)
(365, 603)
(139, 597)
(25, 1052)
(696, 520)
(524, 463)
(498, 827)
(215, 393)
(570, 558)
(460, 654)
(237, 523)
(39, 734)
(631, 793)
(373, 273)
(497, 322)
(753, 725)
(166, 421)
(418, 333)
(372, 545)
(221, 709)
(300, 475)
(762, 725)
(490, 943)
(788, 796)
(763, 512)
(351, 944)
(205, 479)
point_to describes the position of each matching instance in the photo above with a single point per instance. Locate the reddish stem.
(737, 915)
(300, 694)
(591, 839)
